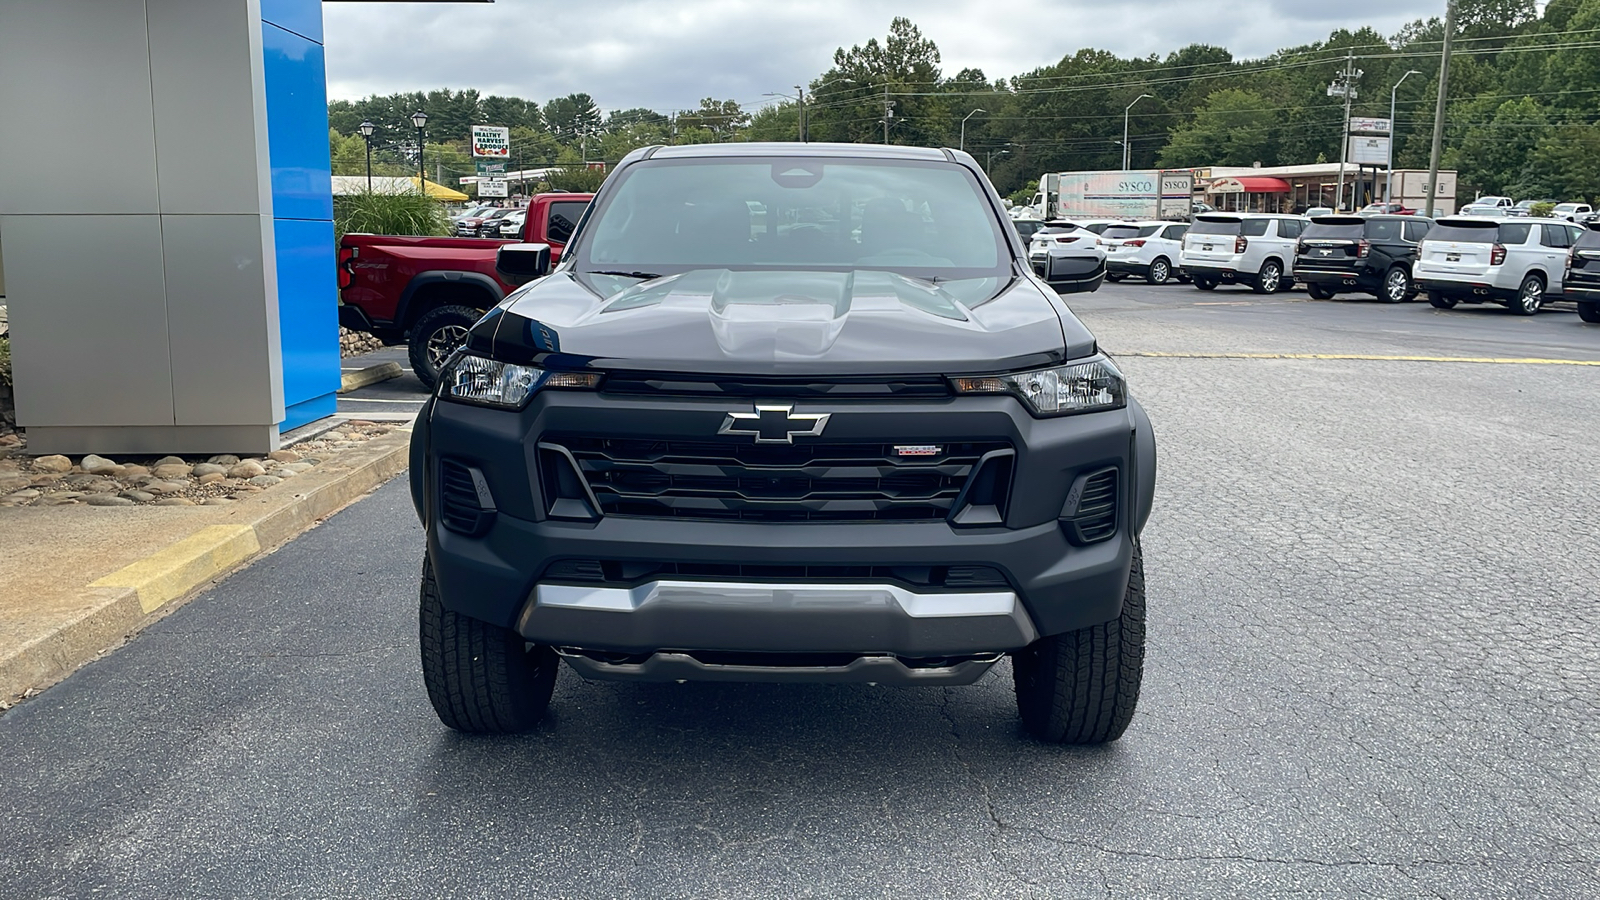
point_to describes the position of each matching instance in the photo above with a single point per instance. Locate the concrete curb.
(360, 378)
(118, 605)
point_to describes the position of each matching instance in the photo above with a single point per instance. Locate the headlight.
(474, 379)
(1089, 386)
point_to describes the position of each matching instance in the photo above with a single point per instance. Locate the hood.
(718, 321)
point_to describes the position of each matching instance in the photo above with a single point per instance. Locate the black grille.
(629, 573)
(461, 507)
(1096, 517)
(741, 480)
(725, 386)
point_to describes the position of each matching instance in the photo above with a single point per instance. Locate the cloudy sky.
(667, 54)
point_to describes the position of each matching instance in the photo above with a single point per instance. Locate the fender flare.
(1144, 464)
(444, 276)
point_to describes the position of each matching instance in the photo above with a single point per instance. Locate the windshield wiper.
(646, 276)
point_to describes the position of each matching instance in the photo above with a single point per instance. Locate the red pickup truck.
(427, 291)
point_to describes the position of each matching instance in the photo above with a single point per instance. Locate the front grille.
(631, 573)
(816, 482)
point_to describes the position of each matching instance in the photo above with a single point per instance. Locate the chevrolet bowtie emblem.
(775, 424)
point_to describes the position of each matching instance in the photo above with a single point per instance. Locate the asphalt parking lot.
(1372, 670)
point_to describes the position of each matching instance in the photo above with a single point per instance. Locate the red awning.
(1250, 184)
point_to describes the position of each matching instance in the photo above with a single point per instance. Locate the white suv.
(1572, 212)
(1148, 250)
(1512, 261)
(1247, 248)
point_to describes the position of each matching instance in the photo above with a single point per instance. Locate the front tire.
(1160, 271)
(1205, 283)
(1396, 286)
(1589, 312)
(1530, 296)
(1081, 687)
(1440, 301)
(436, 335)
(481, 678)
(1319, 292)
(1270, 279)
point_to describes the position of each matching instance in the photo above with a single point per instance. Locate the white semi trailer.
(1153, 194)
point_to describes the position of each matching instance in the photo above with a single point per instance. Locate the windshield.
(1214, 226)
(667, 216)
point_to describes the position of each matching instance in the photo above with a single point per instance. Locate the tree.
(848, 99)
(723, 118)
(569, 118)
(1233, 128)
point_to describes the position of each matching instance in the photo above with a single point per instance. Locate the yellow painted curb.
(1489, 360)
(180, 568)
(360, 378)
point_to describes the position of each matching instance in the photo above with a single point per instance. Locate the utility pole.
(1438, 110)
(1344, 84)
(888, 111)
(803, 138)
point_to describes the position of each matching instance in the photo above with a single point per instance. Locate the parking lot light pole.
(989, 160)
(419, 119)
(963, 144)
(366, 129)
(1388, 179)
(1125, 114)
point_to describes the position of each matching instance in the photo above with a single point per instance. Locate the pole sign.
(1368, 150)
(1359, 125)
(492, 187)
(491, 141)
(491, 169)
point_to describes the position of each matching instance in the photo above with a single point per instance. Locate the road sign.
(1359, 125)
(492, 141)
(493, 187)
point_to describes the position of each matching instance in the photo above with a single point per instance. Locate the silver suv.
(1246, 248)
(1511, 261)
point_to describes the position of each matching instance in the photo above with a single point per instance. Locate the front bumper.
(1051, 585)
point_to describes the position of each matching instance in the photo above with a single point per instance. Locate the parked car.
(1098, 226)
(1572, 212)
(1072, 251)
(427, 291)
(1386, 209)
(1148, 250)
(1511, 261)
(1245, 248)
(489, 227)
(1371, 254)
(694, 451)
(1501, 205)
(1319, 211)
(511, 224)
(1582, 279)
(1026, 228)
(467, 225)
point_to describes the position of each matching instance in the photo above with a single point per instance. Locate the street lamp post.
(366, 129)
(419, 119)
(963, 144)
(1125, 114)
(1388, 179)
(989, 160)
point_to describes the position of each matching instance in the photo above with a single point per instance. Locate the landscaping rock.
(265, 481)
(171, 470)
(247, 469)
(226, 459)
(107, 500)
(170, 461)
(204, 469)
(11, 483)
(299, 468)
(27, 494)
(134, 471)
(56, 463)
(175, 501)
(165, 487)
(97, 464)
(212, 478)
(287, 456)
(138, 496)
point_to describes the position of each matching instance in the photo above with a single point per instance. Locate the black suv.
(1582, 283)
(1371, 254)
(722, 442)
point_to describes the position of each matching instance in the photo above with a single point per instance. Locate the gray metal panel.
(222, 320)
(210, 106)
(78, 132)
(154, 439)
(88, 308)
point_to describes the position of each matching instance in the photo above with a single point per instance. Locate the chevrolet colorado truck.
(427, 291)
(785, 412)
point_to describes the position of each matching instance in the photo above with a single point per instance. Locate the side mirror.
(1074, 274)
(521, 263)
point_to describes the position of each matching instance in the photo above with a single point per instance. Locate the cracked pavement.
(1372, 670)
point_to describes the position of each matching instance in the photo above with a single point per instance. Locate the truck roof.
(790, 149)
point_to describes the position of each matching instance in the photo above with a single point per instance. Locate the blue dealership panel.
(302, 207)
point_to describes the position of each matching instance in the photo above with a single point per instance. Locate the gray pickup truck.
(785, 413)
